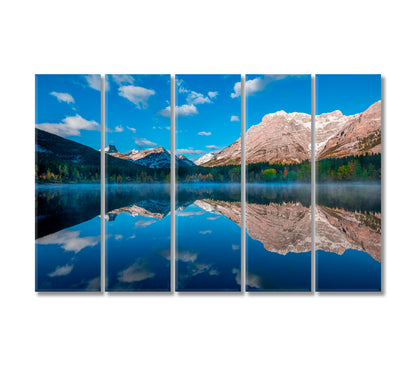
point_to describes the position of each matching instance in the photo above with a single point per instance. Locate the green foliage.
(352, 168)
(279, 173)
(216, 174)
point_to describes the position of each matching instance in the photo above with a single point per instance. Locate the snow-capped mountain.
(181, 160)
(153, 157)
(205, 158)
(356, 134)
(286, 138)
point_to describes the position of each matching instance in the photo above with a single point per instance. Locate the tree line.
(352, 168)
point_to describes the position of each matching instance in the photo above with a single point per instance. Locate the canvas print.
(208, 183)
(67, 176)
(278, 188)
(348, 177)
(138, 161)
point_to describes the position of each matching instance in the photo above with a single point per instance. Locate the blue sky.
(136, 114)
(70, 106)
(208, 110)
(350, 94)
(271, 93)
(207, 106)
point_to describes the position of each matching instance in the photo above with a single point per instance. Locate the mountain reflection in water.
(138, 238)
(208, 254)
(278, 222)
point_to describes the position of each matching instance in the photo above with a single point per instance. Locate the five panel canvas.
(178, 202)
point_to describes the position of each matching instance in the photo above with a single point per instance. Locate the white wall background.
(206, 334)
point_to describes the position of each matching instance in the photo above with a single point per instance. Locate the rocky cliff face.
(146, 208)
(205, 158)
(357, 134)
(157, 157)
(338, 230)
(286, 227)
(286, 138)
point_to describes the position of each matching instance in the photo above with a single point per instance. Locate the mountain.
(205, 158)
(147, 208)
(157, 157)
(60, 160)
(183, 161)
(111, 149)
(286, 138)
(52, 147)
(336, 229)
(357, 134)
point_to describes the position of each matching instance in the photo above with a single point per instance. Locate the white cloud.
(137, 95)
(61, 270)
(181, 88)
(212, 94)
(189, 151)
(186, 256)
(213, 218)
(255, 85)
(63, 97)
(187, 213)
(118, 129)
(70, 126)
(135, 273)
(144, 142)
(212, 147)
(140, 223)
(131, 129)
(235, 118)
(252, 280)
(204, 133)
(121, 79)
(180, 111)
(205, 232)
(237, 90)
(195, 98)
(94, 284)
(69, 240)
(94, 81)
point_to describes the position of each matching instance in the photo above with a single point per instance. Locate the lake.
(138, 237)
(348, 237)
(68, 238)
(208, 237)
(278, 241)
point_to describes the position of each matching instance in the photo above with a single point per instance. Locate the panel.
(67, 176)
(278, 188)
(137, 183)
(348, 175)
(208, 189)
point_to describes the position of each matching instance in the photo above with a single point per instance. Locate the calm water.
(348, 237)
(278, 221)
(138, 237)
(208, 237)
(68, 256)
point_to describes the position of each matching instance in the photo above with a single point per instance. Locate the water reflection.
(348, 237)
(138, 237)
(208, 235)
(64, 205)
(278, 221)
(69, 260)
(68, 238)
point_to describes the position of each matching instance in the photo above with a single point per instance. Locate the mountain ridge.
(286, 137)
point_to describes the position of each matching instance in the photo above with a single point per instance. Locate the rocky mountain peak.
(111, 149)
